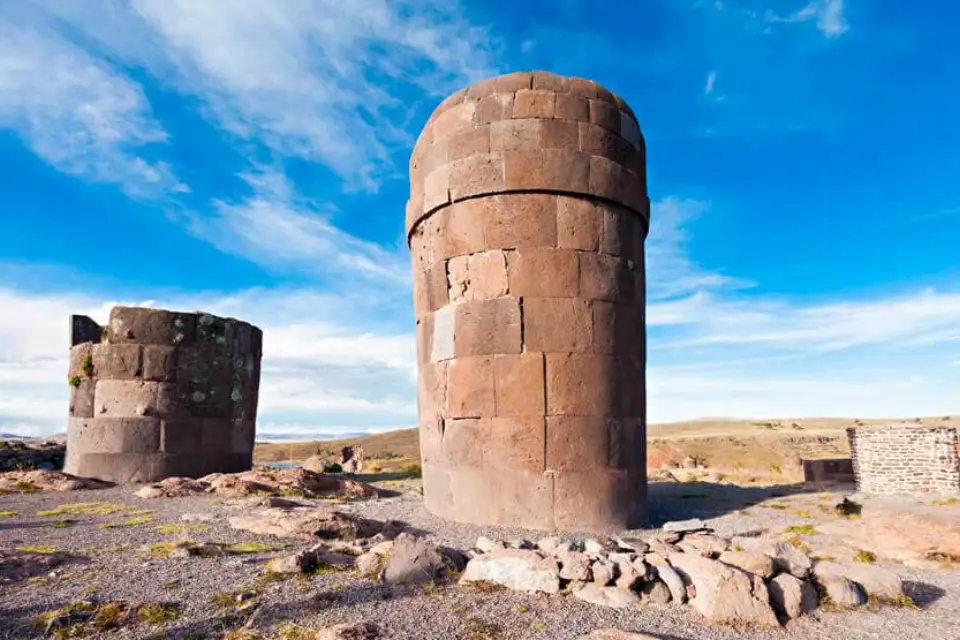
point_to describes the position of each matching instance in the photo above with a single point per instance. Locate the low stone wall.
(158, 393)
(905, 459)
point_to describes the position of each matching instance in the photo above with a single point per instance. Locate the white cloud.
(78, 113)
(711, 81)
(325, 80)
(277, 228)
(828, 15)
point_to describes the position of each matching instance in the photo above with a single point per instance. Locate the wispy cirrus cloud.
(828, 15)
(80, 114)
(327, 81)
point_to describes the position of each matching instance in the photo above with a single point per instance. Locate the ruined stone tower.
(527, 215)
(158, 393)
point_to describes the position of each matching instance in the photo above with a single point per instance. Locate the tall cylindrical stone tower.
(526, 221)
(158, 393)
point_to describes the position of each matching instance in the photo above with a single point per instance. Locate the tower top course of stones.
(526, 222)
(157, 393)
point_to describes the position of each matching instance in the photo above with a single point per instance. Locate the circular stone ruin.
(526, 221)
(161, 393)
(905, 459)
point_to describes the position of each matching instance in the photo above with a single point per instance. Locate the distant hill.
(311, 437)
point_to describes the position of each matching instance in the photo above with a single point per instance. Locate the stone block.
(597, 141)
(572, 107)
(429, 158)
(463, 440)
(437, 491)
(432, 390)
(523, 169)
(630, 130)
(444, 330)
(480, 276)
(494, 108)
(546, 81)
(520, 221)
(476, 175)
(84, 329)
(621, 233)
(540, 272)
(114, 435)
(436, 188)
(519, 384)
(242, 437)
(582, 88)
(557, 325)
(515, 135)
(121, 468)
(431, 440)
(460, 228)
(604, 277)
(513, 82)
(216, 435)
(470, 390)
(159, 363)
(576, 443)
(569, 393)
(80, 356)
(565, 170)
(617, 329)
(606, 179)
(534, 103)
(515, 443)
(125, 399)
(150, 326)
(181, 436)
(116, 361)
(481, 89)
(524, 499)
(430, 289)
(487, 327)
(579, 224)
(599, 500)
(625, 439)
(82, 398)
(559, 134)
(458, 118)
(606, 115)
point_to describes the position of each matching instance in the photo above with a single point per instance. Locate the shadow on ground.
(684, 500)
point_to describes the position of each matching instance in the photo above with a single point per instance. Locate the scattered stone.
(751, 562)
(708, 545)
(549, 545)
(841, 592)
(684, 526)
(574, 566)
(629, 577)
(876, 581)
(358, 631)
(414, 560)
(599, 547)
(308, 524)
(17, 454)
(518, 569)
(656, 592)
(725, 594)
(309, 560)
(635, 545)
(675, 584)
(315, 463)
(662, 548)
(604, 572)
(612, 597)
(785, 557)
(792, 597)
(39, 480)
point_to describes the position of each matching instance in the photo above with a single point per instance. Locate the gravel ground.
(112, 566)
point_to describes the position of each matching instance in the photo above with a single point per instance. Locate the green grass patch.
(25, 487)
(177, 529)
(477, 629)
(132, 522)
(159, 613)
(865, 557)
(803, 529)
(84, 509)
(45, 549)
(249, 547)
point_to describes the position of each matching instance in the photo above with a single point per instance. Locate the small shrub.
(865, 557)
(804, 529)
(539, 627)
(521, 609)
(87, 366)
(25, 487)
(946, 502)
(75, 381)
(63, 523)
(159, 613)
(413, 470)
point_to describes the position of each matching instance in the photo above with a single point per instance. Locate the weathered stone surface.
(307, 524)
(792, 597)
(657, 592)
(841, 592)
(684, 526)
(757, 563)
(906, 459)
(674, 582)
(880, 583)
(521, 570)
(607, 596)
(574, 565)
(512, 254)
(413, 560)
(785, 557)
(604, 572)
(725, 594)
(309, 560)
(161, 394)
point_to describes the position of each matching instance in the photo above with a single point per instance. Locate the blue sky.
(801, 159)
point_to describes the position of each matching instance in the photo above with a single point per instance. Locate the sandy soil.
(111, 564)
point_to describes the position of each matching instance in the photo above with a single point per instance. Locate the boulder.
(629, 578)
(708, 545)
(656, 592)
(877, 582)
(574, 566)
(725, 594)
(599, 546)
(670, 577)
(786, 557)
(891, 524)
(414, 560)
(549, 545)
(309, 560)
(611, 597)
(316, 464)
(634, 545)
(841, 592)
(370, 565)
(751, 562)
(517, 569)
(604, 572)
(792, 597)
(262, 480)
(684, 526)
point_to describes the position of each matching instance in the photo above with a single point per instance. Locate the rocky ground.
(178, 567)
